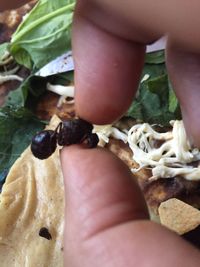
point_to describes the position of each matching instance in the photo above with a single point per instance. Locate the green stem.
(41, 20)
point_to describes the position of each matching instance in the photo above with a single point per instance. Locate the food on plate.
(32, 212)
(161, 158)
(27, 105)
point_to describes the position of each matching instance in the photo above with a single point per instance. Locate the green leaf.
(159, 86)
(31, 88)
(155, 57)
(155, 101)
(154, 70)
(3, 50)
(44, 34)
(17, 126)
(64, 78)
(35, 86)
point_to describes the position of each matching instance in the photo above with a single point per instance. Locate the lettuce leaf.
(44, 33)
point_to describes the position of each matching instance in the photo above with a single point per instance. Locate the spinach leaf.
(32, 88)
(155, 101)
(35, 86)
(155, 57)
(44, 34)
(17, 126)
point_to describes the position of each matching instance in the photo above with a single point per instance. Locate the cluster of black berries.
(69, 132)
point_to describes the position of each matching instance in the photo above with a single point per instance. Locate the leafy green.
(155, 101)
(35, 86)
(64, 78)
(173, 101)
(17, 123)
(32, 88)
(17, 126)
(155, 57)
(3, 49)
(44, 34)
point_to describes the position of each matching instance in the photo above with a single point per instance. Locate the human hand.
(109, 41)
(106, 218)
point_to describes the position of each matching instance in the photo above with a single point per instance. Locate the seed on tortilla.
(44, 232)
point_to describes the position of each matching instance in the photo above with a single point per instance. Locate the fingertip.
(107, 72)
(70, 158)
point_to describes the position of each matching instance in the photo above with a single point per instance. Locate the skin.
(106, 216)
(114, 35)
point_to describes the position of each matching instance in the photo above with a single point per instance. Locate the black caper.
(44, 144)
(66, 133)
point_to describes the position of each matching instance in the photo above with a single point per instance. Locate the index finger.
(107, 71)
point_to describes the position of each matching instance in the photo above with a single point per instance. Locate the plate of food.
(37, 93)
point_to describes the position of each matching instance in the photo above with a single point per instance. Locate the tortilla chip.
(179, 216)
(32, 198)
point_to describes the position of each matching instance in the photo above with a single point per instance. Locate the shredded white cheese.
(63, 91)
(171, 158)
(189, 173)
(67, 91)
(8, 74)
(106, 131)
(6, 78)
(167, 154)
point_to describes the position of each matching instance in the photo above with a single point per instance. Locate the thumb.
(104, 208)
(100, 194)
